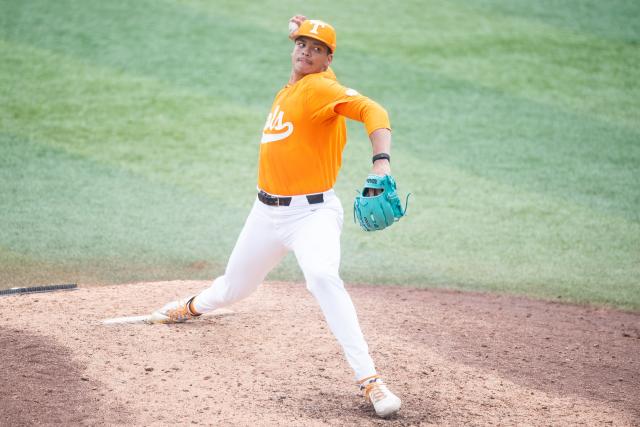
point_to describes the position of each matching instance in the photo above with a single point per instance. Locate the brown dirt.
(455, 358)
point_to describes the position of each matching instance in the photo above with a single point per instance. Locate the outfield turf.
(129, 134)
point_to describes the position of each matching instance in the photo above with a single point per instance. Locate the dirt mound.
(42, 384)
(454, 358)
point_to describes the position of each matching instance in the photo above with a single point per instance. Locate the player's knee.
(318, 279)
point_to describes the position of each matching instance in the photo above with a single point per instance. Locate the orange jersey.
(305, 134)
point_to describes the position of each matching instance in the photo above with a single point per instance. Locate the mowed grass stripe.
(178, 137)
(474, 233)
(190, 128)
(446, 54)
(528, 146)
(161, 40)
(68, 211)
(166, 134)
(528, 58)
(615, 19)
(564, 63)
(511, 140)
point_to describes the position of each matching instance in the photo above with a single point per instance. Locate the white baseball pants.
(312, 232)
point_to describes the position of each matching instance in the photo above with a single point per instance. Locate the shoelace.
(374, 392)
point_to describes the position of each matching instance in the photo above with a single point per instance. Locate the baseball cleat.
(173, 312)
(376, 392)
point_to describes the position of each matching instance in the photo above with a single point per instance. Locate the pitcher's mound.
(454, 358)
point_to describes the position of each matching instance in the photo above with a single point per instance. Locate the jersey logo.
(274, 129)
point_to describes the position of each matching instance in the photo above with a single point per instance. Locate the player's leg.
(317, 247)
(257, 250)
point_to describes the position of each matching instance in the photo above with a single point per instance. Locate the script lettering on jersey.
(274, 129)
(317, 24)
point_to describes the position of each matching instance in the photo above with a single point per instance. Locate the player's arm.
(330, 98)
(381, 143)
(376, 122)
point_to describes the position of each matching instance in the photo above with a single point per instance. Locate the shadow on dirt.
(562, 349)
(42, 385)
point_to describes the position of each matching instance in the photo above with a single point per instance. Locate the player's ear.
(329, 59)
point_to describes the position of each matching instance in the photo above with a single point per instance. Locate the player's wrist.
(381, 168)
(381, 156)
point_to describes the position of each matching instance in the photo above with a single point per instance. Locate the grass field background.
(129, 134)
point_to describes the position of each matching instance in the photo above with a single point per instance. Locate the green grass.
(129, 138)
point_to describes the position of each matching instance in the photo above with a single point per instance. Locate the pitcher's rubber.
(35, 289)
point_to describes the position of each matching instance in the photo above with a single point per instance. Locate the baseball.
(293, 27)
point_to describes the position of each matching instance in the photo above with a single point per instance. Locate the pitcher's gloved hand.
(377, 206)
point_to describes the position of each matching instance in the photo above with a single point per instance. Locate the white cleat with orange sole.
(383, 400)
(173, 312)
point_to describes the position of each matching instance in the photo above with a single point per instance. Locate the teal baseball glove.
(377, 212)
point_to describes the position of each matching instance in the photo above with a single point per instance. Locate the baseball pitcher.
(296, 208)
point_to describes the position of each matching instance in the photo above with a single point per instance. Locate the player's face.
(310, 56)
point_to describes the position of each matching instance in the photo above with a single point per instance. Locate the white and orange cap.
(318, 30)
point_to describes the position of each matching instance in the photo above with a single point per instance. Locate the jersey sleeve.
(329, 99)
(366, 111)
